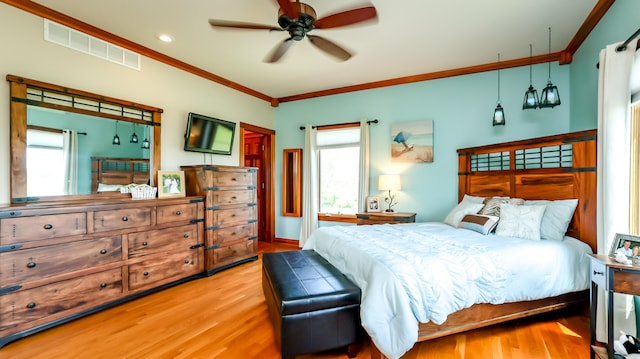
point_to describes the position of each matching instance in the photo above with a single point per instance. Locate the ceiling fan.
(298, 19)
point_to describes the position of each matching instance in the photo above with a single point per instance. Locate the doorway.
(257, 150)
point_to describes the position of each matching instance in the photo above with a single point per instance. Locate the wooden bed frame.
(123, 171)
(552, 168)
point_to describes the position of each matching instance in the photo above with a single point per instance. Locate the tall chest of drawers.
(59, 262)
(231, 228)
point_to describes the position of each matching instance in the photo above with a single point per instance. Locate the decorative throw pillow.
(473, 199)
(492, 205)
(482, 224)
(556, 217)
(463, 208)
(520, 221)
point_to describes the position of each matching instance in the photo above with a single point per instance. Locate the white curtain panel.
(309, 186)
(70, 155)
(614, 100)
(363, 186)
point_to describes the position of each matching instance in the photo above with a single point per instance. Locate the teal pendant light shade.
(531, 96)
(498, 116)
(498, 113)
(116, 139)
(550, 97)
(134, 136)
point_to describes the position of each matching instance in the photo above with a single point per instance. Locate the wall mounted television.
(209, 135)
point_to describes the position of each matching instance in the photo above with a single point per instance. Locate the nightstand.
(385, 217)
(613, 277)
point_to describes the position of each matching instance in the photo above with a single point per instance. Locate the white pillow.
(520, 221)
(472, 199)
(482, 224)
(102, 187)
(556, 217)
(463, 208)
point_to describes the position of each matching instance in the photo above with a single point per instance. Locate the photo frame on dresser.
(627, 244)
(373, 204)
(171, 184)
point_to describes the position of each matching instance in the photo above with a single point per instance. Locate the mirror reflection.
(61, 145)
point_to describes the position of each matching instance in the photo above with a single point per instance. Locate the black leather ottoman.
(313, 307)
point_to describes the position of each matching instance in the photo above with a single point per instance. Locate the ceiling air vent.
(64, 36)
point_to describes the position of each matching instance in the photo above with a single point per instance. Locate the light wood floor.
(225, 316)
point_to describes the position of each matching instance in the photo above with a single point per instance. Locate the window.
(45, 163)
(338, 162)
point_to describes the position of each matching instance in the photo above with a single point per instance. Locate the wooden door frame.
(268, 159)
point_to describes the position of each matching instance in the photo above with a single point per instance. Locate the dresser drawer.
(60, 298)
(225, 179)
(598, 272)
(162, 270)
(121, 218)
(24, 229)
(176, 213)
(46, 262)
(225, 235)
(162, 241)
(222, 217)
(233, 253)
(220, 198)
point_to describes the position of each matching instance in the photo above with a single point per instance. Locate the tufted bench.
(313, 307)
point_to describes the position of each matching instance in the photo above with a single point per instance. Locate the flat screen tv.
(209, 134)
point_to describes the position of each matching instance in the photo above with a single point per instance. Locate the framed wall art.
(412, 141)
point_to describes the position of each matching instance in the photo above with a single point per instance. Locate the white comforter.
(422, 272)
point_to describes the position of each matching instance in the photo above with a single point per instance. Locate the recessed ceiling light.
(165, 38)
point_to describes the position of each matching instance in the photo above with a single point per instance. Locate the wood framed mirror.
(292, 182)
(30, 99)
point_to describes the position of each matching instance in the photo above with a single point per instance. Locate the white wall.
(25, 53)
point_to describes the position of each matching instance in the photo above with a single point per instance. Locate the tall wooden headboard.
(553, 167)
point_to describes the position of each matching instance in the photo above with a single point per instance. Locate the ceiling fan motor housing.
(298, 27)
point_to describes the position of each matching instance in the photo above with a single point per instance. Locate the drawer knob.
(103, 285)
(48, 226)
(597, 273)
(178, 212)
(31, 265)
(146, 274)
(31, 305)
(125, 218)
(186, 235)
(103, 251)
(234, 197)
(234, 179)
(186, 261)
(145, 243)
(233, 215)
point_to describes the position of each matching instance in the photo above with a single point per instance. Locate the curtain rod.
(338, 124)
(624, 44)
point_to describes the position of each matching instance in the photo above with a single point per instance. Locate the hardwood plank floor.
(225, 316)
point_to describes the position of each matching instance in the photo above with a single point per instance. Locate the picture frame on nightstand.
(618, 244)
(373, 204)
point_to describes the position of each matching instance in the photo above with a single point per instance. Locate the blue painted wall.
(461, 108)
(622, 20)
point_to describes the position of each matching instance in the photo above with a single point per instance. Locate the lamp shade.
(389, 182)
(498, 116)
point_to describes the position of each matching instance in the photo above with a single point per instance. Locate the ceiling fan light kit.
(298, 19)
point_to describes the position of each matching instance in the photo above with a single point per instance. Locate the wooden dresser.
(231, 228)
(60, 262)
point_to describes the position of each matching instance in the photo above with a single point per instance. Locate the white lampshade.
(389, 182)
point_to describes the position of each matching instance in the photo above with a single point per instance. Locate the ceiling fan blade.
(288, 9)
(348, 17)
(241, 25)
(278, 51)
(329, 47)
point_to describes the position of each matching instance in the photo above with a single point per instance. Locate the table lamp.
(389, 183)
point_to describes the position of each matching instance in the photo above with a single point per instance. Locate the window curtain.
(309, 186)
(70, 155)
(363, 186)
(614, 100)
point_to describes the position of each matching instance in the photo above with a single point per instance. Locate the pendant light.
(116, 139)
(531, 96)
(134, 136)
(145, 143)
(549, 96)
(498, 113)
